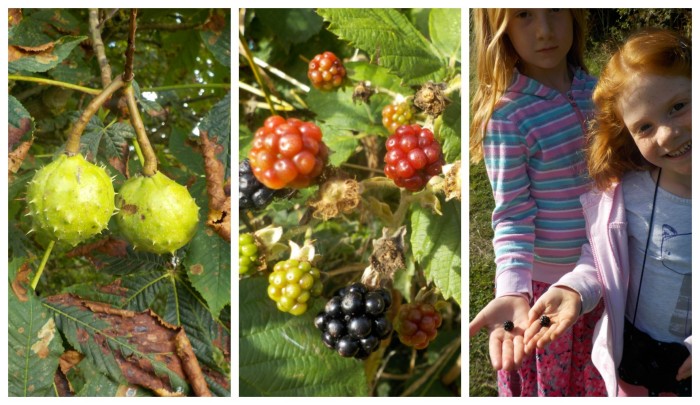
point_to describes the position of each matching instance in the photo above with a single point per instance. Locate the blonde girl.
(530, 112)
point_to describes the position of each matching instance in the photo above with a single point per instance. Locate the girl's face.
(542, 38)
(657, 112)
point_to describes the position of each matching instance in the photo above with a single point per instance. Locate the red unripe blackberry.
(326, 71)
(395, 115)
(287, 153)
(413, 156)
(417, 324)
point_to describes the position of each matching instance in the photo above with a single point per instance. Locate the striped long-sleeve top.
(533, 151)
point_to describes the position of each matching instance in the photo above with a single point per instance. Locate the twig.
(150, 162)
(254, 68)
(73, 144)
(57, 83)
(108, 16)
(282, 75)
(251, 89)
(130, 48)
(189, 86)
(446, 354)
(99, 47)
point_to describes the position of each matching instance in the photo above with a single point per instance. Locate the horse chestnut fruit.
(156, 214)
(70, 199)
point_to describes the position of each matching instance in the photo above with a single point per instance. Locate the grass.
(482, 377)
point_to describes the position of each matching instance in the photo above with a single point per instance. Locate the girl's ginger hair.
(611, 150)
(495, 60)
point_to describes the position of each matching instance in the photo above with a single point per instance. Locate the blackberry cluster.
(252, 194)
(417, 324)
(354, 321)
(395, 115)
(247, 253)
(292, 284)
(412, 157)
(287, 153)
(326, 71)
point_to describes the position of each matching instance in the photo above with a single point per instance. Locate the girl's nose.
(544, 25)
(667, 133)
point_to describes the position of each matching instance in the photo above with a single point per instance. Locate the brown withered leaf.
(219, 217)
(21, 281)
(43, 52)
(119, 162)
(108, 246)
(15, 134)
(146, 333)
(14, 16)
(16, 157)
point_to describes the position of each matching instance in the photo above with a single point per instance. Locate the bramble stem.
(254, 68)
(37, 276)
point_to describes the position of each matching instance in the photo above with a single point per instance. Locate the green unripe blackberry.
(292, 284)
(156, 214)
(70, 200)
(248, 253)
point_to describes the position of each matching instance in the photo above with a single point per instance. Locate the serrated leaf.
(116, 139)
(336, 110)
(138, 343)
(390, 36)
(208, 264)
(379, 76)
(49, 57)
(34, 344)
(217, 38)
(150, 107)
(293, 25)
(21, 123)
(282, 355)
(446, 31)
(435, 243)
(183, 150)
(449, 125)
(341, 142)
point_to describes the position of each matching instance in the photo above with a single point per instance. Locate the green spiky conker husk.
(70, 199)
(156, 214)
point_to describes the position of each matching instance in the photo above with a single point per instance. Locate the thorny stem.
(37, 276)
(57, 83)
(99, 47)
(150, 162)
(73, 144)
(254, 68)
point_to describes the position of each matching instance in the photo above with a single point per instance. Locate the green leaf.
(183, 150)
(446, 31)
(245, 141)
(341, 142)
(45, 60)
(435, 242)
(388, 35)
(378, 75)
(33, 29)
(337, 110)
(20, 121)
(34, 344)
(150, 107)
(282, 355)
(116, 139)
(449, 130)
(294, 25)
(218, 40)
(208, 264)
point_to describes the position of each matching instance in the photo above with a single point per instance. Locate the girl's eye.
(522, 14)
(677, 107)
(644, 128)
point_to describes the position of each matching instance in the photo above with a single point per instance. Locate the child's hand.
(505, 347)
(562, 306)
(685, 369)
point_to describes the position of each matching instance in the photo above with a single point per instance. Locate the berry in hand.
(326, 71)
(354, 320)
(70, 200)
(413, 156)
(395, 115)
(252, 194)
(287, 153)
(545, 321)
(417, 324)
(248, 253)
(292, 284)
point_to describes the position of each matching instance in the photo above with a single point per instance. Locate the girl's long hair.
(611, 150)
(495, 60)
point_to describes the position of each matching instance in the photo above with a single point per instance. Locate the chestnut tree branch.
(99, 47)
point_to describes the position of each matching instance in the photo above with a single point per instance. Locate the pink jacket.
(603, 270)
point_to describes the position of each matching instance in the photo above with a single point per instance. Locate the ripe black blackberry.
(354, 320)
(252, 194)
